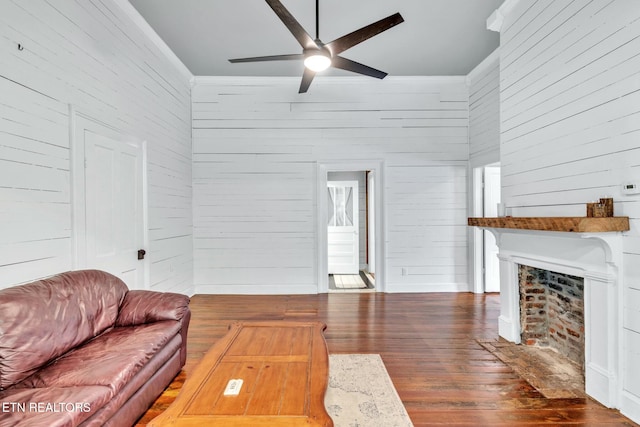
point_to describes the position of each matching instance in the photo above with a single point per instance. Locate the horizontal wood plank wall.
(256, 147)
(484, 148)
(91, 55)
(484, 112)
(570, 107)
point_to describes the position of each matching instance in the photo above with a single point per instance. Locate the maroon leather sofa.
(80, 349)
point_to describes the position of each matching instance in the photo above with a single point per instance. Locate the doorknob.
(141, 253)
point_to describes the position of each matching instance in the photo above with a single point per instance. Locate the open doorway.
(350, 251)
(486, 197)
(348, 231)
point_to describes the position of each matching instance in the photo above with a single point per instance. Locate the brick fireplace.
(590, 262)
(552, 311)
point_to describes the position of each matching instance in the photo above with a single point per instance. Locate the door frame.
(78, 123)
(491, 200)
(370, 200)
(476, 244)
(323, 169)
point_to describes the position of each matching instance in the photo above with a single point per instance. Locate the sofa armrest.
(142, 306)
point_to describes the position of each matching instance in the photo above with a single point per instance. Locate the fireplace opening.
(552, 312)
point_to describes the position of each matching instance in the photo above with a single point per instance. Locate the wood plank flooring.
(428, 343)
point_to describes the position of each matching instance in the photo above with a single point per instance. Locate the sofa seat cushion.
(111, 359)
(51, 407)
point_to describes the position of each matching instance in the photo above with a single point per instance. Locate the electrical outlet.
(233, 387)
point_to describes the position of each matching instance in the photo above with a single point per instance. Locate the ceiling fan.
(319, 56)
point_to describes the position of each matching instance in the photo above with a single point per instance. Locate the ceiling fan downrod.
(317, 59)
(317, 20)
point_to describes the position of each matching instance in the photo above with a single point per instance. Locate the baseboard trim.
(630, 406)
(253, 289)
(427, 287)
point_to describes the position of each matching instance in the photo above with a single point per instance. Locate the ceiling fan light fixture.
(317, 61)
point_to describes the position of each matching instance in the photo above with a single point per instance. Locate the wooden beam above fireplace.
(566, 224)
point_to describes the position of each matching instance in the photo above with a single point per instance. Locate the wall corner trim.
(496, 19)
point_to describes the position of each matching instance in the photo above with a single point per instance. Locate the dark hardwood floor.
(428, 343)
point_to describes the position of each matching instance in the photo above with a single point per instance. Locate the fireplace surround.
(594, 257)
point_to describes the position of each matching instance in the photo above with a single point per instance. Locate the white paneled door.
(342, 232)
(113, 235)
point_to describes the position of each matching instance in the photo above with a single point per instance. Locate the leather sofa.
(81, 349)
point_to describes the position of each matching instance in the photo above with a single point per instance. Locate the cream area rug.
(361, 394)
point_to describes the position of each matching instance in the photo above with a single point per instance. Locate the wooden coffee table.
(284, 367)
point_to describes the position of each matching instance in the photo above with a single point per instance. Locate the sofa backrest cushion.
(42, 320)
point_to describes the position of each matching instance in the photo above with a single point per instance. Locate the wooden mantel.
(567, 224)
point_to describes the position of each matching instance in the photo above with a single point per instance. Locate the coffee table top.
(284, 368)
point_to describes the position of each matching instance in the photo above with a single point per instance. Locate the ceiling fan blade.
(291, 57)
(307, 78)
(343, 43)
(356, 67)
(292, 24)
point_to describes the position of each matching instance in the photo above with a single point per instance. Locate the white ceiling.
(438, 37)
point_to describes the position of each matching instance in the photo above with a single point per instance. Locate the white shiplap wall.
(91, 55)
(256, 147)
(484, 112)
(484, 149)
(570, 123)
